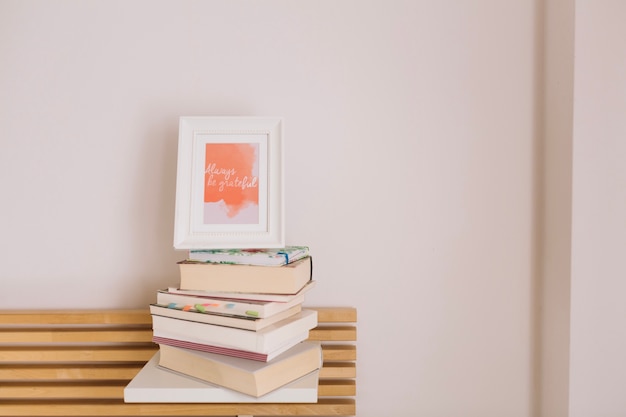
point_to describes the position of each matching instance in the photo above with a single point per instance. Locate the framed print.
(229, 183)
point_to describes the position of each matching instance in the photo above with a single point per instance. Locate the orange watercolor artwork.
(231, 183)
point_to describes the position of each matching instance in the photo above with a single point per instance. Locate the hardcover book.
(237, 353)
(286, 279)
(155, 384)
(251, 296)
(232, 306)
(242, 375)
(264, 257)
(265, 340)
(239, 322)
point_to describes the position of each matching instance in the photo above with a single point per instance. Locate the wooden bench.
(77, 363)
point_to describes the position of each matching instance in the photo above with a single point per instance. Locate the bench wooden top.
(77, 363)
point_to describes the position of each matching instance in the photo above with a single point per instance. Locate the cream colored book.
(285, 279)
(243, 375)
(238, 322)
(263, 341)
(155, 384)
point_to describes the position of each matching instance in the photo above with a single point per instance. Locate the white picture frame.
(229, 183)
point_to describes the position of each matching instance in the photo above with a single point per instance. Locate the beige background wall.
(416, 172)
(598, 310)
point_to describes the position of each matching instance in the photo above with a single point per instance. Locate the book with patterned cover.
(261, 257)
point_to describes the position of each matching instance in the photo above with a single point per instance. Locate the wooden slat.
(89, 372)
(138, 316)
(335, 314)
(115, 390)
(122, 372)
(336, 388)
(124, 354)
(66, 317)
(78, 354)
(63, 335)
(333, 333)
(339, 352)
(324, 407)
(56, 390)
(338, 370)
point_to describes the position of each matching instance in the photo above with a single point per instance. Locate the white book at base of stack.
(154, 384)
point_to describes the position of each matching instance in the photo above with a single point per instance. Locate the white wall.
(598, 310)
(411, 129)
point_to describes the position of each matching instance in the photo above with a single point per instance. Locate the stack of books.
(236, 320)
